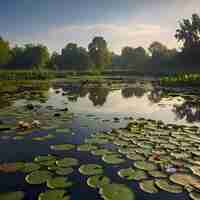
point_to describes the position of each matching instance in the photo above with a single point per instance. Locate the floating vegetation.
(62, 147)
(157, 174)
(67, 162)
(144, 165)
(64, 171)
(116, 192)
(91, 169)
(58, 182)
(194, 195)
(148, 186)
(86, 147)
(54, 195)
(132, 174)
(98, 181)
(38, 177)
(113, 159)
(19, 195)
(165, 185)
(101, 152)
(45, 158)
(30, 167)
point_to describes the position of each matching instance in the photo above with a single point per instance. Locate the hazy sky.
(120, 22)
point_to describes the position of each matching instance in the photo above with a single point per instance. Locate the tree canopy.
(4, 52)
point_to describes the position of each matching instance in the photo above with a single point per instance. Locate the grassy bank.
(181, 80)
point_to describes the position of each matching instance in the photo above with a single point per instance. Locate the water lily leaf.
(91, 169)
(135, 157)
(113, 159)
(86, 147)
(96, 141)
(67, 162)
(196, 170)
(62, 147)
(194, 195)
(58, 182)
(185, 180)
(157, 174)
(98, 181)
(45, 158)
(19, 195)
(165, 185)
(116, 192)
(38, 177)
(144, 165)
(64, 171)
(54, 195)
(132, 174)
(148, 186)
(63, 130)
(30, 167)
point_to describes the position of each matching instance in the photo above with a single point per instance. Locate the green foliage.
(4, 52)
(99, 53)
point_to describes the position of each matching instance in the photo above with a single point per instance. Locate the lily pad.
(30, 167)
(44, 158)
(157, 174)
(62, 147)
(98, 181)
(38, 177)
(185, 180)
(144, 165)
(67, 162)
(165, 185)
(64, 171)
(116, 192)
(113, 159)
(101, 152)
(19, 195)
(86, 147)
(132, 174)
(91, 169)
(194, 195)
(148, 186)
(58, 182)
(54, 195)
(196, 170)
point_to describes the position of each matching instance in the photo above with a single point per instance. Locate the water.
(94, 108)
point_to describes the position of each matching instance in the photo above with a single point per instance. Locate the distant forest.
(98, 57)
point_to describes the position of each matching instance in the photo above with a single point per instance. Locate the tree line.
(97, 55)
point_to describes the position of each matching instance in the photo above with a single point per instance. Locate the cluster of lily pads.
(161, 157)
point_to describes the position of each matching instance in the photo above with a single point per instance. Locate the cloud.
(117, 35)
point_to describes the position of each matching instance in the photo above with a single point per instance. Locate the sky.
(55, 23)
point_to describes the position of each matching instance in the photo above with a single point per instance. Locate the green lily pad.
(58, 182)
(132, 174)
(19, 195)
(144, 165)
(67, 162)
(98, 181)
(64, 171)
(194, 195)
(113, 159)
(54, 195)
(38, 177)
(62, 147)
(96, 141)
(63, 130)
(165, 185)
(91, 169)
(196, 170)
(148, 186)
(44, 158)
(116, 192)
(185, 180)
(135, 157)
(157, 174)
(30, 167)
(86, 147)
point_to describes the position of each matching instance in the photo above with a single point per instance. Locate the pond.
(63, 141)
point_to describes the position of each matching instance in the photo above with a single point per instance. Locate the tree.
(157, 50)
(189, 34)
(4, 52)
(99, 53)
(75, 57)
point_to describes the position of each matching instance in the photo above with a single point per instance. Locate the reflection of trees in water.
(155, 96)
(98, 95)
(188, 110)
(130, 92)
